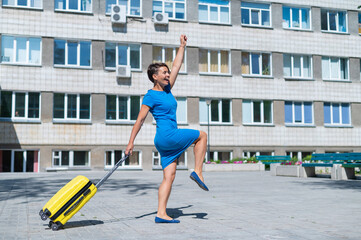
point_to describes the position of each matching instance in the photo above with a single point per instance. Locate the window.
(20, 50)
(181, 161)
(257, 112)
(249, 154)
(297, 66)
(167, 55)
(122, 108)
(220, 155)
(298, 113)
(174, 8)
(133, 6)
(219, 111)
(20, 106)
(255, 14)
(72, 53)
(333, 21)
(334, 68)
(296, 18)
(213, 61)
(258, 64)
(122, 54)
(212, 11)
(19, 161)
(298, 155)
(74, 5)
(181, 110)
(113, 156)
(70, 107)
(23, 3)
(71, 158)
(337, 114)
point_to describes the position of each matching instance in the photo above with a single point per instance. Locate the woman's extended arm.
(177, 64)
(136, 128)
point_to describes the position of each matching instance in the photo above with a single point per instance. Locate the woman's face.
(162, 77)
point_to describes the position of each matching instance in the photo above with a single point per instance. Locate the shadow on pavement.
(77, 224)
(177, 212)
(45, 187)
(83, 223)
(346, 185)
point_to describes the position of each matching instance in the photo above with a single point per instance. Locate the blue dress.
(170, 141)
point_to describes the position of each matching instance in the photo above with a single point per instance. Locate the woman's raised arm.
(177, 64)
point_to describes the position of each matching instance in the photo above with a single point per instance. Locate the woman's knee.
(169, 172)
(169, 177)
(203, 135)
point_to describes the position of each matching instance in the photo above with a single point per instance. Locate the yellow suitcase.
(71, 198)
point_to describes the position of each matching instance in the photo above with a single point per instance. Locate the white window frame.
(127, 9)
(113, 160)
(186, 110)
(292, 76)
(26, 118)
(247, 154)
(15, 5)
(128, 56)
(74, 10)
(299, 154)
(215, 154)
(332, 124)
(174, 55)
(25, 156)
(300, 18)
(77, 119)
(262, 113)
(27, 63)
(209, 5)
(302, 113)
(117, 120)
(219, 64)
(159, 166)
(250, 74)
(77, 65)
(220, 122)
(250, 24)
(339, 69)
(71, 159)
(337, 21)
(174, 12)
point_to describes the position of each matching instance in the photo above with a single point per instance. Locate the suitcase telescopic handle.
(101, 181)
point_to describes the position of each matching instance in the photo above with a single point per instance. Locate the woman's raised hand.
(183, 40)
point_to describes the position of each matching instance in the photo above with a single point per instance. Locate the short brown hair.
(153, 69)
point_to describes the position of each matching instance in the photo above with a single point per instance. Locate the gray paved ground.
(240, 205)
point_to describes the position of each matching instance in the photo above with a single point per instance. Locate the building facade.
(282, 79)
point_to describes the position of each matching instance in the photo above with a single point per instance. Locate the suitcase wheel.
(44, 215)
(55, 226)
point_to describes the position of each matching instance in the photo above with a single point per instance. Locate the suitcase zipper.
(67, 205)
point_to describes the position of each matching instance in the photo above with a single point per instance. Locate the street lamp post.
(208, 102)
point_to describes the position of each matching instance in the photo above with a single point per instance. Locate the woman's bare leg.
(165, 189)
(200, 149)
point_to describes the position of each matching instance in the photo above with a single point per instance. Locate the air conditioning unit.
(161, 18)
(123, 71)
(118, 14)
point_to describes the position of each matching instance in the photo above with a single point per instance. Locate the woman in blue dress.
(170, 141)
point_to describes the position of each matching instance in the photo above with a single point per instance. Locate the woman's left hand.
(183, 40)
